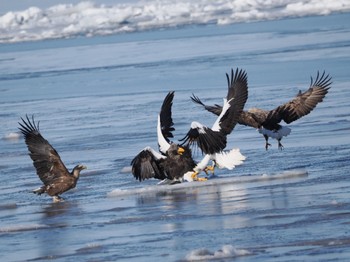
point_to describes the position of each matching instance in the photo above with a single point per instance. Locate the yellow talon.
(209, 168)
(194, 176)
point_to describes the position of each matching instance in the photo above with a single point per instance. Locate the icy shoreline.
(89, 19)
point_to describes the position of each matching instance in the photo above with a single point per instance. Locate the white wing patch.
(198, 126)
(163, 144)
(226, 106)
(156, 154)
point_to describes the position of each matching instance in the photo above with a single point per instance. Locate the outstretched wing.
(303, 103)
(237, 89)
(147, 165)
(46, 160)
(215, 109)
(165, 123)
(237, 96)
(214, 140)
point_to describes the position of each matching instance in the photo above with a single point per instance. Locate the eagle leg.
(209, 169)
(195, 177)
(267, 144)
(57, 199)
(280, 146)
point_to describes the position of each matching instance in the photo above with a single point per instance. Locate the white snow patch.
(13, 136)
(20, 228)
(89, 19)
(227, 251)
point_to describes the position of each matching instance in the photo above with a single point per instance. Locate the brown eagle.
(47, 162)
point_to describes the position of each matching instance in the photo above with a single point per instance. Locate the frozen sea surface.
(97, 100)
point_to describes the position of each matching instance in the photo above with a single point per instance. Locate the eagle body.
(268, 122)
(174, 161)
(47, 162)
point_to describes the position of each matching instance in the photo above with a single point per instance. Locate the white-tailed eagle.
(47, 162)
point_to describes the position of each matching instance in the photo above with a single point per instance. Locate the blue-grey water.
(97, 100)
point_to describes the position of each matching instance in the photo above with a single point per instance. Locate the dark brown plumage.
(268, 121)
(172, 166)
(47, 162)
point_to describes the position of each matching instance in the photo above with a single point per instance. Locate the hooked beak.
(180, 150)
(83, 167)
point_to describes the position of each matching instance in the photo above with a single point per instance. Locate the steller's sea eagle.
(47, 162)
(268, 122)
(175, 162)
(237, 93)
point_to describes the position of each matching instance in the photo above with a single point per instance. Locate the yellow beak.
(180, 150)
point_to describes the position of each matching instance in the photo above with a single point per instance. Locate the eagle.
(237, 93)
(47, 162)
(268, 122)
(174, 162)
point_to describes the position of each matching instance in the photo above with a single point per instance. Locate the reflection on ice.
(211, 182)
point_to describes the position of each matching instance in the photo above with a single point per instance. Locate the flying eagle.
(237, 93)
(49, 166)
(175, 162)
(268, 122)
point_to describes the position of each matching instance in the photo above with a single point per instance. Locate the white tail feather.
(283, 131)
(229, 159)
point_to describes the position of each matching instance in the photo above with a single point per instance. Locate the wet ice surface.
(98, 99)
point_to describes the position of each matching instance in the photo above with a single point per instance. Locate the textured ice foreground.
(89, 19)
(213, 181)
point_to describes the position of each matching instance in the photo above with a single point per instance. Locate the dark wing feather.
(237, 89)
(237, 96)
(166, 120)
(145, 166)
(303, 103)
(214, 141)
(209, 141)
(46, 160)
(215, 109)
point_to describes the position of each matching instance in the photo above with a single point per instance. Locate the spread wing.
(165, 123)
(303, 103)
(237, 96)
(237, 89)
(215, 109)
(214, 140)
(147, 165)
(46, 160)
